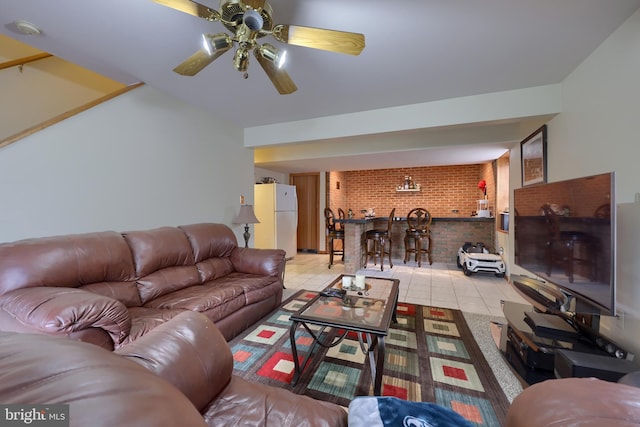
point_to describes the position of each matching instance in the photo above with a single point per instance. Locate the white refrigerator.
(276, 207)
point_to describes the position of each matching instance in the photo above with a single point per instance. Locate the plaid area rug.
(431, 356)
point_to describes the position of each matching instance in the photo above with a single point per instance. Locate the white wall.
(598, 132)
(138, 161)
(497, 106)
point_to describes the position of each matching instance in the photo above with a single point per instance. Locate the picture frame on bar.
(533, 155)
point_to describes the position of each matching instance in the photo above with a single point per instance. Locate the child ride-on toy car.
(476, 258)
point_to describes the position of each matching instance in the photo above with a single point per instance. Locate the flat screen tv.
(565, 236)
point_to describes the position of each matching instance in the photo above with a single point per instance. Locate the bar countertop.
(367, 220)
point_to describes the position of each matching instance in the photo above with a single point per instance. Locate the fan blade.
(196, 62)
(254, 4)
(192, 8)
(279, 77)
(318, 38)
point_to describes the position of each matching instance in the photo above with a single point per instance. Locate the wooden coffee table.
(368, 313)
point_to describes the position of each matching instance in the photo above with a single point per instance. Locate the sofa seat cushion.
(144, 319)
(200, 297)
(257, 288)
(216, 300)
(244, 403)
(167, 281)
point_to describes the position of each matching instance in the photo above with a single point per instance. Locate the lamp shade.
(246, 216)
(213, 43)
(273, 54)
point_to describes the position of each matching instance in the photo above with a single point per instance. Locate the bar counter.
(447, 235)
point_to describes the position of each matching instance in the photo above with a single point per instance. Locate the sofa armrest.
(65, 311)
(101, 388)
(584, 402)
(269, 262)
(189, 352)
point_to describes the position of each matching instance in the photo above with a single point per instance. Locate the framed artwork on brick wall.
(533, 153)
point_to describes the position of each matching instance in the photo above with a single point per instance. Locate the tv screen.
(565, 235)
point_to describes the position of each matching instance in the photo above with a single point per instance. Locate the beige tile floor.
(440, 285)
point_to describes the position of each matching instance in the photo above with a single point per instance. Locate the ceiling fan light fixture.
(246, 22)
(253, 20)
(273, 54)
(282, 59)
(215, 42)
(241, 59)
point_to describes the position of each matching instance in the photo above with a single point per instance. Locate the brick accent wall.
(448, 236)
(444, 189)
(336, 191)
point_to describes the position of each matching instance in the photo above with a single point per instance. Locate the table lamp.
(246, 217)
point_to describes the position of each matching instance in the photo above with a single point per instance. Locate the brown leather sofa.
(579, 402)
(178, 374)
(110, 288)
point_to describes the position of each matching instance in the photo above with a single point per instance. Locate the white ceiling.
(416, 51)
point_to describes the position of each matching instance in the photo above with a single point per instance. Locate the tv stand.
(532, 347)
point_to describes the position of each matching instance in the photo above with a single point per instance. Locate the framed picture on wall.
(533, 154)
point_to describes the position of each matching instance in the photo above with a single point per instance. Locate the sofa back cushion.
(125, 292)
(163, 261)
(212, 245)
(66, 261)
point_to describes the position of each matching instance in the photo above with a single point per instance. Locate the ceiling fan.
(250, 20)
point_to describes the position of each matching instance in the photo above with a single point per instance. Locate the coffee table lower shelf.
(373, 344)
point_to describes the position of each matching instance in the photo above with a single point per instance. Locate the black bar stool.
(379, 238)
(333, 233)
(341, 215)
(419, 221)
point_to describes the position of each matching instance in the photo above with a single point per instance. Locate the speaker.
(570, 363)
